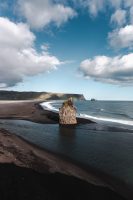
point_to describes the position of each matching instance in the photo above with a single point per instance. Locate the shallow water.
(102, 149)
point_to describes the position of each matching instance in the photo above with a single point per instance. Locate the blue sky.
(70, 46)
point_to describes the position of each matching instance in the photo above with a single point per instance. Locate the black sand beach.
(26, 170)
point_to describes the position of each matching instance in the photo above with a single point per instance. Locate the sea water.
(112, 113)
(104, 148)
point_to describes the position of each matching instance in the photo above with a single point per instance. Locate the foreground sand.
(21, 163)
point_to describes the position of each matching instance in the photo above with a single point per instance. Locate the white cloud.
(94, 6)
(121, 38)
(40, 13)
(15, 35)
(116, 70)
(119, 17)
(18, 57)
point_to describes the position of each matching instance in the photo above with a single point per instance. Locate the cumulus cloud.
(121, 38)
(94, 6)
(119, 17)
(113, 70)
(40, 13)
(18, 57)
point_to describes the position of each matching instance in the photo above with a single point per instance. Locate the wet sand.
(28, 110)
(23, 164)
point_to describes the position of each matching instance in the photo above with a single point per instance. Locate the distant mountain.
(15, 95)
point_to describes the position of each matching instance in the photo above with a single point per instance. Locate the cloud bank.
(115, 70)
(121, 38)
(118, 69)
(121, 19)
(96, 6)
(40, 13)
(18, 56)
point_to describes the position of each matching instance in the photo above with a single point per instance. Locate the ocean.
(111, 113)
(104, 148)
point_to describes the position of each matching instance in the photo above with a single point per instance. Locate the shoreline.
(31, 111)
(48, 161)
(27, 155)
(15, 151)
(25, 110)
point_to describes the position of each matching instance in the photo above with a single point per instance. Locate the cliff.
(15, 95)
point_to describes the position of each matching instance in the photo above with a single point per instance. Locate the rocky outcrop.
(14, 95)
(67, 113)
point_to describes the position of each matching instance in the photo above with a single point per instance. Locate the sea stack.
(67, 113)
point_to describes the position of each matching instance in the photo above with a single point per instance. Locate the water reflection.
(67, 130)
(104, 149)
(67, 138)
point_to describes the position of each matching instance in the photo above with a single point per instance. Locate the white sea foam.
(49, 106)
(119, 121)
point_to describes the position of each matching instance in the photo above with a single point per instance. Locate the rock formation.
(67, 113)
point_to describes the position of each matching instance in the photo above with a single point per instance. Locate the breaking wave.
(49, 105)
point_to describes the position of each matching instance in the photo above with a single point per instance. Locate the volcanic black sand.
(27, 172)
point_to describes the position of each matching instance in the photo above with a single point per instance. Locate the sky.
(69, 46)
